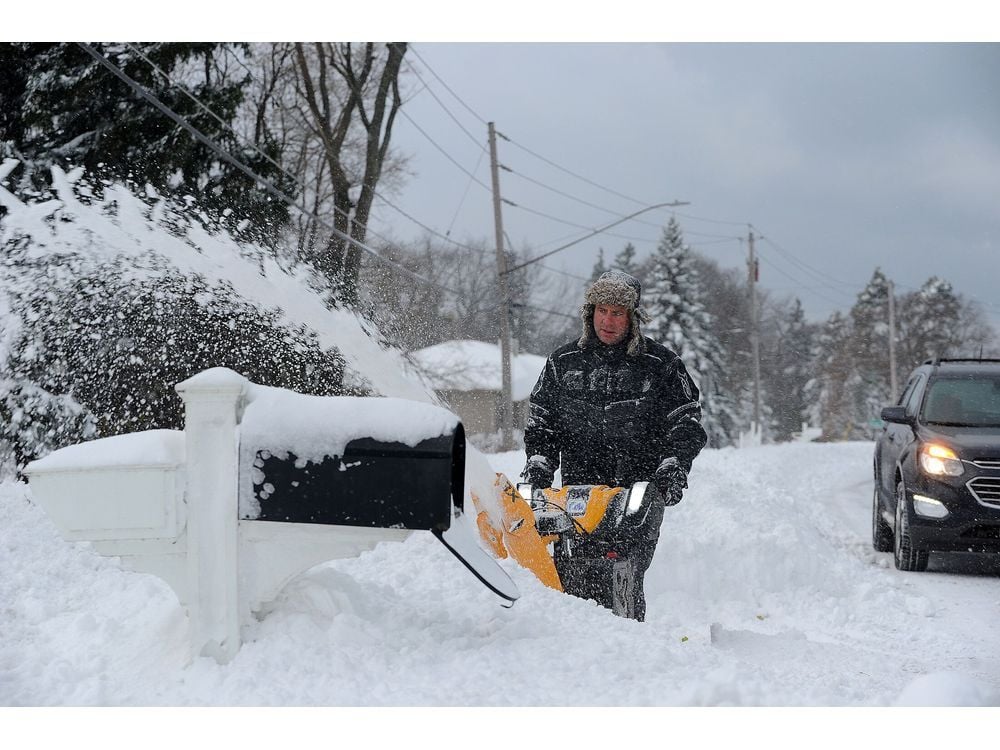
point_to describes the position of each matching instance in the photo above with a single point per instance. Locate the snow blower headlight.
(938, 460)
(635, 498)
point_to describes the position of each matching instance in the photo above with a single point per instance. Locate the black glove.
(670, 481)
(538, 472)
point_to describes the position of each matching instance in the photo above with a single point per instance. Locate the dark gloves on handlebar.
(670, 481)
(538, 472)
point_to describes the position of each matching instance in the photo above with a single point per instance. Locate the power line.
(561, 168)
(253, 146)
(465, 195)
(574, 224)
(301, 186)
(291, 202)
(447, 87)
(542, 309)
(567, 171)
(473, 178)
(712, 221)
(208, 142)
(577, 199)
(527, 150)
(819, 275)
(796, 281)
(447, 111)
(587, 236)
(226, 156)
(539, 182)
(446, 154)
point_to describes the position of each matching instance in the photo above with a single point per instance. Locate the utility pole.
(507, 416)
(753, 276)
(893, 383)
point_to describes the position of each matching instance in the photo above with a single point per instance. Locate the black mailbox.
(374, 484)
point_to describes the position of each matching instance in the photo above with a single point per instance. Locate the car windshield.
(972, 400)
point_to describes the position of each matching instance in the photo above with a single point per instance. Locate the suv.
(937, 464)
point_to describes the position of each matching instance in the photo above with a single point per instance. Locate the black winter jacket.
(612, 418)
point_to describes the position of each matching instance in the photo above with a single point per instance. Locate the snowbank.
(764, 592)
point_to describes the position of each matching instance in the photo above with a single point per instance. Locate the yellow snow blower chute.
(575, 539)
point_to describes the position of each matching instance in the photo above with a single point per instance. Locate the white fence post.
(211, 401)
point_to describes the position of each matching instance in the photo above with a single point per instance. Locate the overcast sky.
(842, 157)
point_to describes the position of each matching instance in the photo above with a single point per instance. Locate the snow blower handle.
(589, 510)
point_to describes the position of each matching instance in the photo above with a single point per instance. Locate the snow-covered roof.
(465, 365)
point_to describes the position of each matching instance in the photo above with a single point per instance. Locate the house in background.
(467, 376)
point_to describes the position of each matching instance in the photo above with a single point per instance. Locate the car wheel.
(904, 555)
(881, 531)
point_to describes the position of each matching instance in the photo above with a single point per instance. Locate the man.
(615, 408)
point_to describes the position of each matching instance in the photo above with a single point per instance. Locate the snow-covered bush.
(107, 300)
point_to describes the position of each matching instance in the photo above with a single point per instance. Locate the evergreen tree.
(788, 373)
(15, 60)
(835, 373)
(870, 322)
(869, 356)
(728, 304)
(625, 261)
(929, 324)
(679, 320)
(599, 268)
(70, 111)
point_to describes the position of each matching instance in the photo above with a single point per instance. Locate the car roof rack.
(938, 360)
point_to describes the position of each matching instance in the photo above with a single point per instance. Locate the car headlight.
(937, 460)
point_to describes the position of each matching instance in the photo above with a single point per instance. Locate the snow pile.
(476, 365)
(946, 689)
(764, 591)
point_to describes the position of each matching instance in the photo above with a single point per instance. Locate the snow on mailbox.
(262, 484)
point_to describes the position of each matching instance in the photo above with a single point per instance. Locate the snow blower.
(575, 539)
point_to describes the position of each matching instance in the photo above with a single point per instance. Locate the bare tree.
(347, 88)
(462, 301)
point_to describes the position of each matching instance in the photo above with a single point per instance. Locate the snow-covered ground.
(765, 591)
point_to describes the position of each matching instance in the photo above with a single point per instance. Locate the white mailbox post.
(211, 401)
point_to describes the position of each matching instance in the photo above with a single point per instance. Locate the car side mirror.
(896, 415)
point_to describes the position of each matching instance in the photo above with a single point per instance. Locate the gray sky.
(843, 157)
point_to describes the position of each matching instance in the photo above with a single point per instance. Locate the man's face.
(611, 322)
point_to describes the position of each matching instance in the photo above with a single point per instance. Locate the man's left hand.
(670, 481)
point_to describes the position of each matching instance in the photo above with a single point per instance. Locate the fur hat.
(614, 288)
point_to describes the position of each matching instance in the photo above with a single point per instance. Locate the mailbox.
(373, 483)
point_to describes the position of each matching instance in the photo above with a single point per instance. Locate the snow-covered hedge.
(109, 298)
